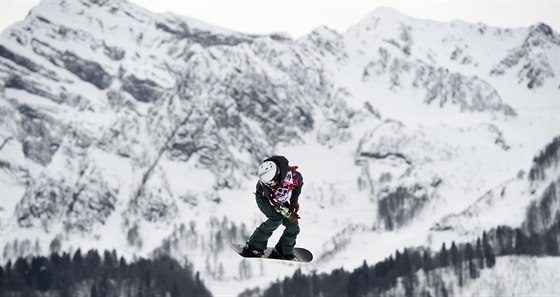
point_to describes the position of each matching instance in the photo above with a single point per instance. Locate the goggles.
(268, 183)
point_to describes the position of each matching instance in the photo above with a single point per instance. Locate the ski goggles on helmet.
(269, 183)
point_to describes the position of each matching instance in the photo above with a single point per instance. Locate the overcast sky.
(300, 17)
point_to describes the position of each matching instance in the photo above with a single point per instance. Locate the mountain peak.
(542, 31)
(542, 28)
(385, 15)
(384, 11)
(104, 2)
(84, 2)
(383, 20)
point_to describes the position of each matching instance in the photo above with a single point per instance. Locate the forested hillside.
(466, 261)
(95, 275)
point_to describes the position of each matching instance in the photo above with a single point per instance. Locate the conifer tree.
(488, 252)
(443, 257)
(521, 246)
(473, 272)
(454, 253)
(427, 260)
(469, 252)
(479, 253)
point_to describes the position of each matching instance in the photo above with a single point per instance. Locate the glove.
(293, 217)
(295, 207)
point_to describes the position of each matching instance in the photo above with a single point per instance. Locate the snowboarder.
(277, 193)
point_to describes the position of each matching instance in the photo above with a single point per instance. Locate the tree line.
(466, 260)
(545, 159)
(91, 274)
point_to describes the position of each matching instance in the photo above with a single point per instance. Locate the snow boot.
(279, 251)
(251, 251)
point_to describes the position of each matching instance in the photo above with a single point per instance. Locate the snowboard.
(302, 255)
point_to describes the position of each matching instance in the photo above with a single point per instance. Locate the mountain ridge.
(137, 131)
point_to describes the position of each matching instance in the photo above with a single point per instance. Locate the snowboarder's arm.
(259, 189)
(294, 199)
(265, 193)
(297, 190)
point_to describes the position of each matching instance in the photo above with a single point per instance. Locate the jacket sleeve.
(263, 191)
(297, 190)
(259, 189)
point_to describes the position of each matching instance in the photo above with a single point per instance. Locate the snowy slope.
(512, 276)
(125, 129)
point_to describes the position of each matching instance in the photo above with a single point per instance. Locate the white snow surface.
(460, 157)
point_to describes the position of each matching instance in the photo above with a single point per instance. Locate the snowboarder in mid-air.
(278, 190)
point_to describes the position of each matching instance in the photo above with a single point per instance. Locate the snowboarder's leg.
(287, 241)
(260, 237)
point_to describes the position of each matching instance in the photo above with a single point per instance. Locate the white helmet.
(267, 172)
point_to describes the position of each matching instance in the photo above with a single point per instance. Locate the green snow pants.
(260, 237)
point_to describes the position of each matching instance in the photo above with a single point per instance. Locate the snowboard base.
(302, 255)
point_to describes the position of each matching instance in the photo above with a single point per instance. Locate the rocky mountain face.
(148, 116)
(121, 128)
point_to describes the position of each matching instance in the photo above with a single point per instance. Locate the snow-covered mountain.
(507, 278)
(142, 132)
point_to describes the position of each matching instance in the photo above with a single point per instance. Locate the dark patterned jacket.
(282, 163)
